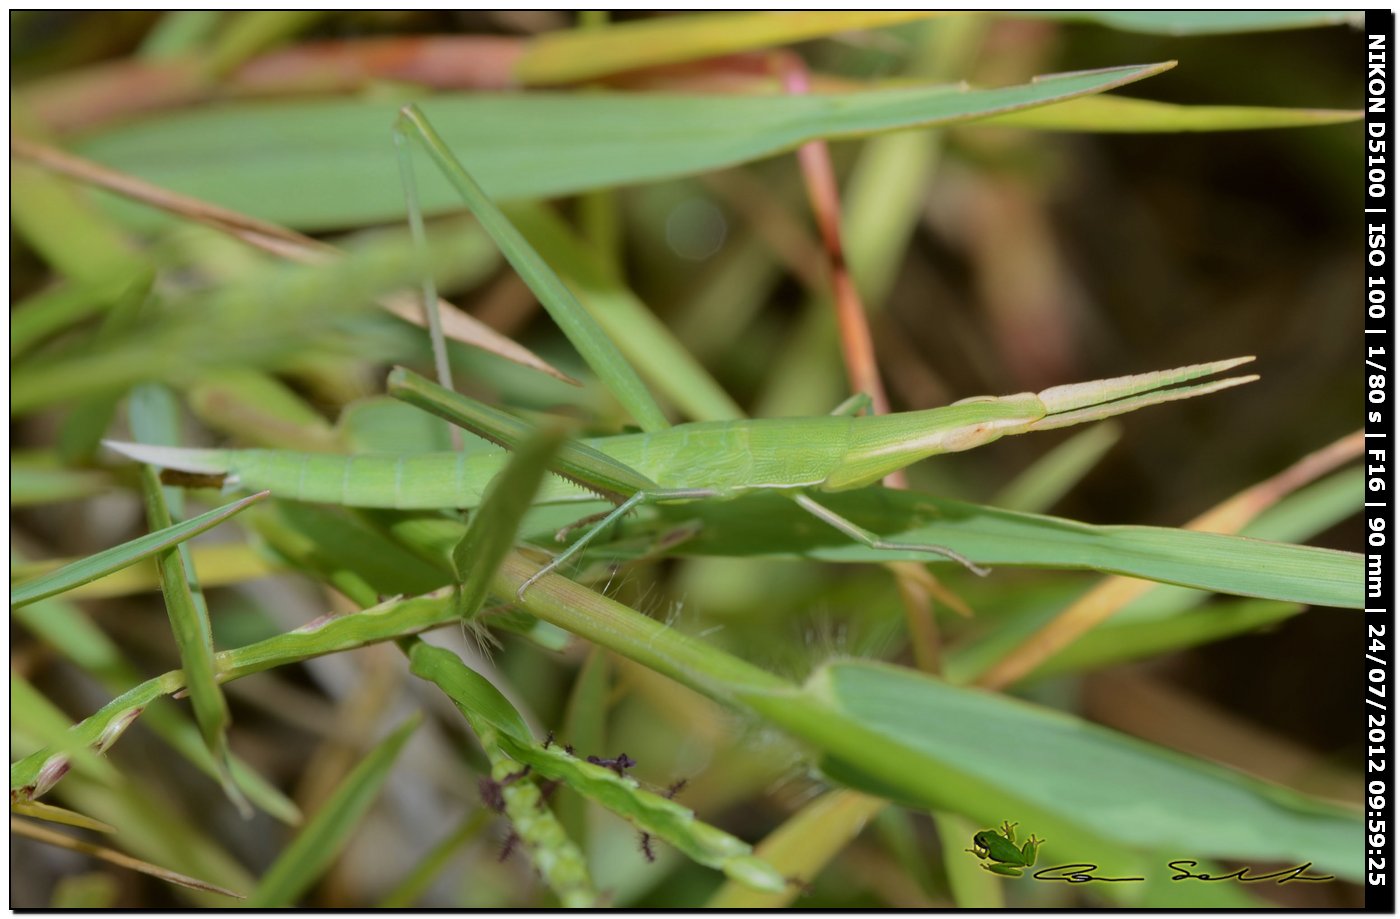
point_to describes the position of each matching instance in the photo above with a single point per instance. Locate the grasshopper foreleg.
(606, 520)
(865, 537)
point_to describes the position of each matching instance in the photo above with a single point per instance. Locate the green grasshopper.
(799, 457)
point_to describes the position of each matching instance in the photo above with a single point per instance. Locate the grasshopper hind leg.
(865, 537)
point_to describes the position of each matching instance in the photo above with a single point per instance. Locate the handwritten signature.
(1082, 873)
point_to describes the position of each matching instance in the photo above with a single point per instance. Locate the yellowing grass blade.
(578, 54)
(128, 553)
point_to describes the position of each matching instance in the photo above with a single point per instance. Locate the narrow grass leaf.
(245, 33)
(579, 54)
(315, 848)
(1121, 115)
(53, 814)
(486, 709)
(491, 530)
(393, 619)
(555, 855)
(1149, 622)
(573, 320)
(128, 553)
(178, 33)
(643, 339)
(1310, 510)
(194, 637)
(1201, 21)
(1052, 475)
(67, 631)
(292, 162)
(872, 722)
(219, 565)
(35, 717)
(762, 524)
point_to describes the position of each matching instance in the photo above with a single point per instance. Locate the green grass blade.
(873, 723)
(1059, 470)
(313, 850)
(35, 717)
(491, 530)
(245, 33)
(1311, 509)
(220, 565)
(642, 338)
(387, 621)
(194, 637)
(770, 525)
(872, 720)
(578, 54)
(128, 553)
(1121, 115)
(1201, 21)
(62, 627)
(576, 323)
(269, 159)
(179, 32)
(488, 710)
(555, 855)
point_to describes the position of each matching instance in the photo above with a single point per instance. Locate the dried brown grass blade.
(112, 856)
